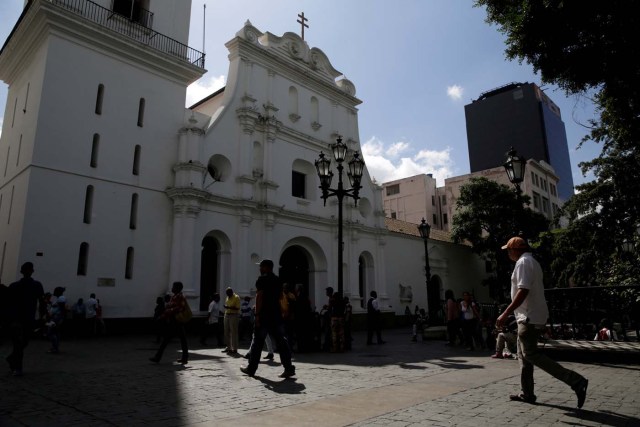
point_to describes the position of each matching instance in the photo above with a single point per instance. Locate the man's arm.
(519, 298)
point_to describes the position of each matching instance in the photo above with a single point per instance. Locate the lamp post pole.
(356, 167)
(425, 229)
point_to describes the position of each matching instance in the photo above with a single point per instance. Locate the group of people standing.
(464, 321)
(28, 309)
(269, 321)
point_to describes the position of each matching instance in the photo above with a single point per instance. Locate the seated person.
(506, 338)
(420, 325)
(606, 333)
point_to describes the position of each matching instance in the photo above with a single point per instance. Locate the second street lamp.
(356, 167)
(515, 166)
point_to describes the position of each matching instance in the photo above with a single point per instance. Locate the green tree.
(487, 215)
(588, 50)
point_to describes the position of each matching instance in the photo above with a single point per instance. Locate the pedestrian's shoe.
(247, 356)
(154, 360)
(497, 356)
(226, 350)
(288, 373)
(17, 372)
(269, 356)
(581, 391)
(245, 370)
(522, 398)
(182, 361)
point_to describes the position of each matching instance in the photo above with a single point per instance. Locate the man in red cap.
(531, 312)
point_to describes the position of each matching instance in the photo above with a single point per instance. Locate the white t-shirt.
(527, 274)
(213, 313)
(91, 308)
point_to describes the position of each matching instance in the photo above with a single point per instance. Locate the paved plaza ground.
(110, 382)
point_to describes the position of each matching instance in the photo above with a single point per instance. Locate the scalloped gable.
(291, 47)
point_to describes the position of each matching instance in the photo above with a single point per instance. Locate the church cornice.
(188, 196)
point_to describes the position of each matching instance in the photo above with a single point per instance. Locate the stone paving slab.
(109, 382)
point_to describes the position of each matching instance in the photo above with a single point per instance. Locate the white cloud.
(455, 92)
(397, 148)
(203, 88)
(385, 163)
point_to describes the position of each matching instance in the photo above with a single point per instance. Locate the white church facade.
(110, 185)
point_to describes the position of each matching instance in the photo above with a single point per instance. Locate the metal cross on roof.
(302, 22)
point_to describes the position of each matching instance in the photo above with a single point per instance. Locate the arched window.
(95, 145)
(293, 103)
(83, 259)
(141, 112)
(133, 216)
(128, 269)
(99, 99)
(88, 204)
(136, 160)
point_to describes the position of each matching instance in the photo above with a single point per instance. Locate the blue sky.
(415, 64)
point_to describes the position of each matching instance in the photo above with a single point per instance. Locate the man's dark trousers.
(277, 332)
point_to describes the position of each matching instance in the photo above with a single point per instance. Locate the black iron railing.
(578, 313)
(136, 27)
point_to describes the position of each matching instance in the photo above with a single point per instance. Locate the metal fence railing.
(138, 29)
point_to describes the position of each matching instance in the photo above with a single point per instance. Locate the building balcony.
(134, 23)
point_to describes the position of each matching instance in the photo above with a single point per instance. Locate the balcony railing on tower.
(133, 22)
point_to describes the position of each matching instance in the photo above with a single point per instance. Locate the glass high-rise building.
(522, 116)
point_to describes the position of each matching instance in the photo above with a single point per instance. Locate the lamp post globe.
(515, 167)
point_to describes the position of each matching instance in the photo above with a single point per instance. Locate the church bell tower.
(96, 99)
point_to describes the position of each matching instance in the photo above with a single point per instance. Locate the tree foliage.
(588, 49)
(487, 215)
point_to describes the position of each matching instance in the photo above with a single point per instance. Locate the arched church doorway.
(208, 271)
(294, 267)
(436, 310)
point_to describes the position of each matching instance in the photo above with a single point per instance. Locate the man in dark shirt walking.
(24, 296)
(269, 321)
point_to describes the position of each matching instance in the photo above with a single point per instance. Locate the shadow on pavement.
(286, 386)
(606, 418)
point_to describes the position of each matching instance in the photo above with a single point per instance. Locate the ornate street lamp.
(356, 167)
(425, 229)
(515, 166)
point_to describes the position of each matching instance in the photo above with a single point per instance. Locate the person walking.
(177, 304)
(231, 321)
(269, 321)
(373, 319)
(23, 298)
(531, 311)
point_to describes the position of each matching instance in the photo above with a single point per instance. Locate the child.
(420, 325)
